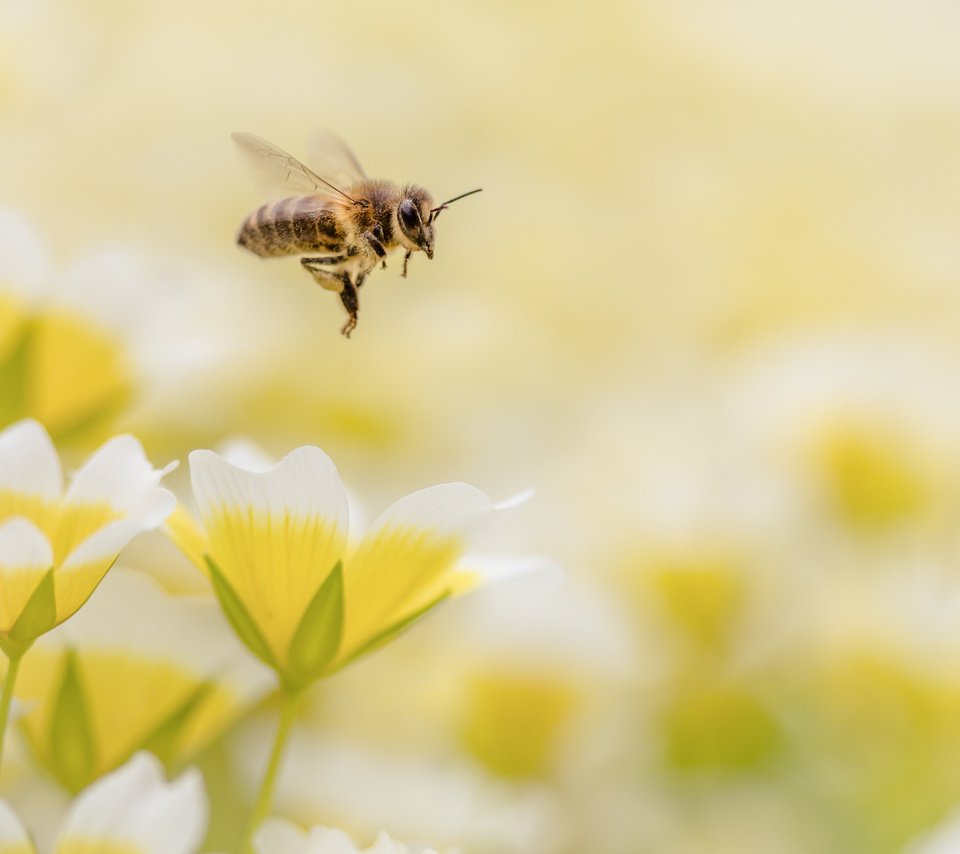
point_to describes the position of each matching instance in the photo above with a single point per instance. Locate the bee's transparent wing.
(280, 171)
(334, 160)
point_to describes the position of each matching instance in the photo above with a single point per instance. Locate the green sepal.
(316, 641)
(164, 741)
(38, 616)
(71, 747)
(393, 632)
(239, 617)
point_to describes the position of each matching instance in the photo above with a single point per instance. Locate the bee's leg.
(323, 272)
(406, 260)
(323, 261)
(348, 296)
(374, 239)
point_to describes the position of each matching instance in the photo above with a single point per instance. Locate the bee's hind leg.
(351, 302)
(334, 280)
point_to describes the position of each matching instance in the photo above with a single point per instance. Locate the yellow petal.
(25, 557)
(275, 563)
(406, 560)
(75, 523)
(394, 573)
(74, 587)
(187, 536)
(274, 535)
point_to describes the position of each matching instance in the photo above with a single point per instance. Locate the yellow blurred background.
(707, 306)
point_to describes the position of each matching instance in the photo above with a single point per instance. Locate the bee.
(341, 221)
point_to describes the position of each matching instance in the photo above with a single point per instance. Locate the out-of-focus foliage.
(707, 305)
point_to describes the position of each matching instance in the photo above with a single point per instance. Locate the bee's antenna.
(435, 212)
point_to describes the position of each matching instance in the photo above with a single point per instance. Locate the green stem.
(289, 700)
(13, 667)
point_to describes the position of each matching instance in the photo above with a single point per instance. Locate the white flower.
(55, 544)
(282, 837)
(278, 549)
(132, 809)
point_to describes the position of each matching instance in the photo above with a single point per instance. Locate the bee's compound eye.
(409, 217)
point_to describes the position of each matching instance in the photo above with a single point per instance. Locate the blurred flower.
(132, 809)
(56, 545)
(275, 544)
(88, 344)
(116, 679)
(282, 837)
(56, 364)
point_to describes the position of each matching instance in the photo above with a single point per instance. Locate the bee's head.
(415, 217)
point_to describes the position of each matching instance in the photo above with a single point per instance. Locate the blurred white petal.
(134, 806)
(29, 464)
(117, 474)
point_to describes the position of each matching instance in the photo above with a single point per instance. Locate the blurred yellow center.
(718, 726)
(17, 848)
(704, 595)
(78, 373)
(513, 721)
(875, 479)
(59, 369)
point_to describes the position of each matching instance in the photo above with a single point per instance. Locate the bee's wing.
(334, 159)
(281, 171)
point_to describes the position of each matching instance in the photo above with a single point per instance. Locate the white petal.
(385, 845)
(24, 257)
(108, 541)
(23, 546)
(110, 285)
(329, 840)
(455, 508)
(304, 483)
(29, 464)
(278, 836)
(942, 839)
(118, 474)
(246, 454)
(98, 810)
(490, 569)
(134, 806)
(13, 837)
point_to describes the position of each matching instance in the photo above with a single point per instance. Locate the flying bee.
(343, 222)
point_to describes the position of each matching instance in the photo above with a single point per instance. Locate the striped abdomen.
(292, 227)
